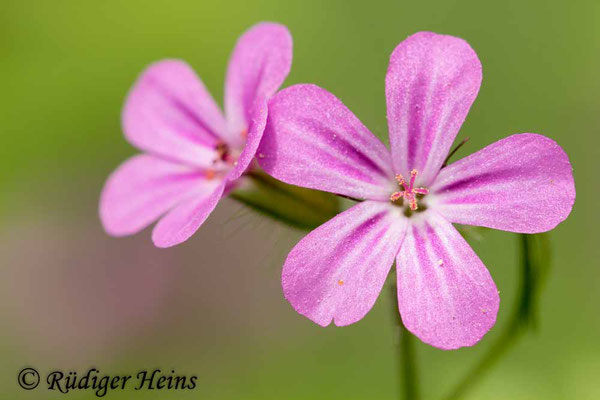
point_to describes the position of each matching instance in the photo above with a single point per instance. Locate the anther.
(401, 182)
(413, 176)
(210, 174)
(396, 195)
(413, 203)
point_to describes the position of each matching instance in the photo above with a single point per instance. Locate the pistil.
(409, 192)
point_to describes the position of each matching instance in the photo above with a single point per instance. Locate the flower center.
(222, 152)
(410, 192)
(225, 155)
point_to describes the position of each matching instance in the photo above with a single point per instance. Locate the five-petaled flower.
(193, 155)
(446, 296)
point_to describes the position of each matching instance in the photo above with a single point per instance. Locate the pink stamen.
(410, 191)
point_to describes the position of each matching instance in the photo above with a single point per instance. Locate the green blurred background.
(72, 298)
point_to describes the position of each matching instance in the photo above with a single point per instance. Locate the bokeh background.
(71, 297)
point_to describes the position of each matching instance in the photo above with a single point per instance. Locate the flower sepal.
(295, 206)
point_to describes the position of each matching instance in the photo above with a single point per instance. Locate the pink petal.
(142, 189)
(337, 271)
(170, 113)
(523, 183)
(313, 140)
(446, 295)
(183, 221)
(431, 82)
(260, 62)
(255, 133)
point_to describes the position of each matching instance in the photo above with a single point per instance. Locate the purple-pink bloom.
(192, 153)
(446, 296)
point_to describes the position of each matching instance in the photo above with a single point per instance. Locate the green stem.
(408, 375)
(534, 265)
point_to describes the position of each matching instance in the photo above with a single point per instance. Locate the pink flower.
(446, 296)
(192, 153)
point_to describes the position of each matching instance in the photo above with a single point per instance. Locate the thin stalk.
(532, 271)
(407, 374)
